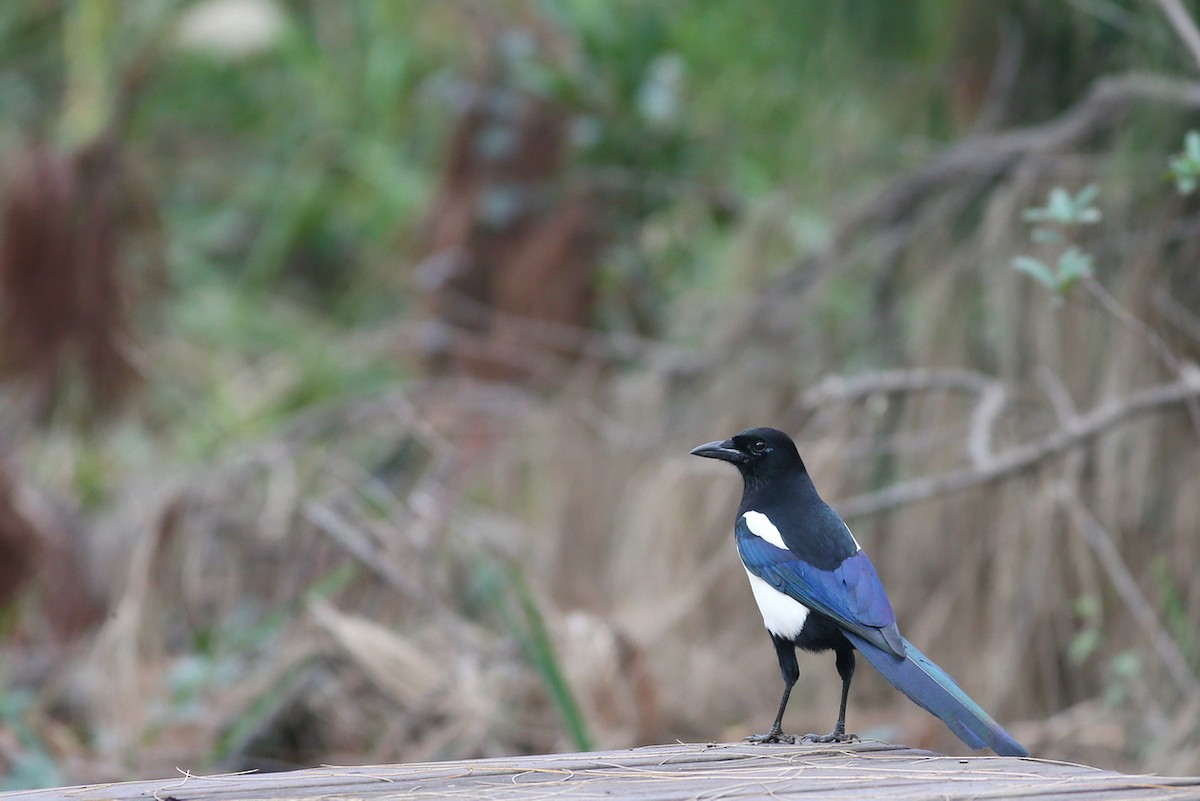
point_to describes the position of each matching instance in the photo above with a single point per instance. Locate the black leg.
(786, 651)
(845, 669)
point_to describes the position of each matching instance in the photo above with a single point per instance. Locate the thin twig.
(1127, 587)
(1157, 344)
(1058, 395)
(1184, 25)
(1132, 322)
(1175, 313)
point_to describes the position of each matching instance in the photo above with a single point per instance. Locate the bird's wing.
(851, 594)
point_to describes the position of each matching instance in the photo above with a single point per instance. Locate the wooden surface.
(713, 771)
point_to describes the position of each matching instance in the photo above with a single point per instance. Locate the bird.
(818, 591)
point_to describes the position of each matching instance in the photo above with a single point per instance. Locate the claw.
(832, 737)
(771, 737)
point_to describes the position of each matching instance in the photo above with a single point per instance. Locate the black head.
(759, 454)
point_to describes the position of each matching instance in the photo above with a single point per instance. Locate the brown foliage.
(37, 552)
(507, 247)
(63, 294)
(18, 544)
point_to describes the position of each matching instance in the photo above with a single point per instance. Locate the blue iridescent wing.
(851, 594)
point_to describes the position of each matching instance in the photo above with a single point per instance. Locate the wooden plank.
(692, 771)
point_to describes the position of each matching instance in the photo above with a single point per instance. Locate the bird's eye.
(758, 447)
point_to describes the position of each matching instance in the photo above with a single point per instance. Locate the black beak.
(725, 451)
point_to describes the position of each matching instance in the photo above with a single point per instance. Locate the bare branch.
(837, 388)
(993, 154)
(983, 419)
(1023, 457)
(357, 545)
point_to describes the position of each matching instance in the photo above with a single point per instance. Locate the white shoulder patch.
(857, 547)
(761, 526)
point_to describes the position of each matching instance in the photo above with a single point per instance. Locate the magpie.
(818, 591)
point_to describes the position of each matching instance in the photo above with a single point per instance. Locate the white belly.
(783, 615)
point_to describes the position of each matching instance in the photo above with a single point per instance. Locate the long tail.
(932, 688)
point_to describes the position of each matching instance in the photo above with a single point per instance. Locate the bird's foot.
(834, 736)
(775, 736)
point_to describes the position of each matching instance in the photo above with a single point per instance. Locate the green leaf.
(544, 658)
(1084, 212)
(1126, 664)
(530, 632)
(1060, 207)
(1073, 265)
(1186, 172)
(1036, 270)
(1185, 167)
(1083, 645)
(1087, 606)
(1191, 145)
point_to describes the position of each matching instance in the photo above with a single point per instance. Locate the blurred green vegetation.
(292, 176)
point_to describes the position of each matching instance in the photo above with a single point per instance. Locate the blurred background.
(350, 354)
